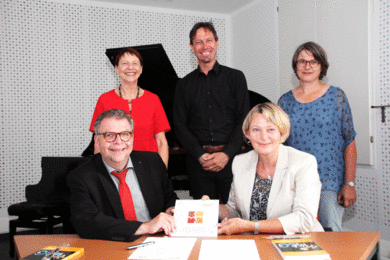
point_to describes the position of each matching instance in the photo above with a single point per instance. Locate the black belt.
(214, 149)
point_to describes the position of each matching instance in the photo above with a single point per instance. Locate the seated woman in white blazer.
(276, 188)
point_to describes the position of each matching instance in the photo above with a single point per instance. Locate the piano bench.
(37, 215)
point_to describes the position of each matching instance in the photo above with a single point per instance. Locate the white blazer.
(295, 191)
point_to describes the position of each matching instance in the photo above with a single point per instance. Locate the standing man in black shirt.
(209, 108)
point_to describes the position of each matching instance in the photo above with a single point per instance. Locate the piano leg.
(12, 232)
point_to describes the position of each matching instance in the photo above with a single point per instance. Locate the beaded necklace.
(120, 94)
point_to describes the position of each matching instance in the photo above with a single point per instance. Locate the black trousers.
(214, 184)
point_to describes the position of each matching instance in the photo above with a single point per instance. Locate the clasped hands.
(213, 162)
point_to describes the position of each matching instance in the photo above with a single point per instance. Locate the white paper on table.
(196, 218)
(229, 249)
(165, 248)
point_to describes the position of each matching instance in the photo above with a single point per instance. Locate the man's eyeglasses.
(303, 63)
(111, 137)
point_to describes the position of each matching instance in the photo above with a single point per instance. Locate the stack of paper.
(229, 250)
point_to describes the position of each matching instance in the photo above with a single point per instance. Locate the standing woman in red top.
(150, 120)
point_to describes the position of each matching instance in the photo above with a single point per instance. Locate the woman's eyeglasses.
(303, 63)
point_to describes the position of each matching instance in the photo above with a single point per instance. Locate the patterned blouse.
(323, 128)
(259, 199)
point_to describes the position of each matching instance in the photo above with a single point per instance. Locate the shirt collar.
(216, 68)
(110, 169)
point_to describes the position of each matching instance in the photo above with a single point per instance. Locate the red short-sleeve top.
(147, 112)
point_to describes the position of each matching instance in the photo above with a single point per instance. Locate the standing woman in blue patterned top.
(322, 125)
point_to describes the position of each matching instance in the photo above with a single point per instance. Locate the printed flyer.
(196, 218)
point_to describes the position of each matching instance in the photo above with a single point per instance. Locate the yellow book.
(300, 248)
(65, 253)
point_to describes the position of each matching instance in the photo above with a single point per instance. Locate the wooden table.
(339, 245)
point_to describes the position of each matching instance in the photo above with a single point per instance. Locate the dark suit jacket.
(96, 209)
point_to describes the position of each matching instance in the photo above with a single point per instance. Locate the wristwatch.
(256, 228)
(350, 183)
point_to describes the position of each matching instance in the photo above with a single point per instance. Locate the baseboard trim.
(4, 225)
(384, 249)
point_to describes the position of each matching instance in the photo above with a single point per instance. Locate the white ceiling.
(210, 6)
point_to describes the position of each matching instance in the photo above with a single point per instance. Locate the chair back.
(52, 187)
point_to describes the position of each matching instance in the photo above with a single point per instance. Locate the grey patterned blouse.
(259, 199)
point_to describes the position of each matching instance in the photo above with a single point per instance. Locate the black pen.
(140, 245)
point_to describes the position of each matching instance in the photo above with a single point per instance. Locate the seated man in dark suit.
(106, 205)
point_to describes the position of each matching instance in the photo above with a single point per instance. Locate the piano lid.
(154, 56)
(159, 77)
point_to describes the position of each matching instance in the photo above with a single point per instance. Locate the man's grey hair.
(113, 113)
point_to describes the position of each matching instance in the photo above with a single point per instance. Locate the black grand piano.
(159, 77)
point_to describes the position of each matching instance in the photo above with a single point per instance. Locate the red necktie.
(125, 194)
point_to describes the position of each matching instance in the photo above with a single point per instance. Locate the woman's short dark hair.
(318, 53)
(204, 25)
(130, 51)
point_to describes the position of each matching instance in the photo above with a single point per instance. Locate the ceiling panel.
(210, 6)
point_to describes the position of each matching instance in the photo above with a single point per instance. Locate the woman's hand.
(347, 196)
(223, 212)
(205, 197)
(234, 226)
(223, 209)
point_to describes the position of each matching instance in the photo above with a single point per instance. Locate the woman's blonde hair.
(274, 114)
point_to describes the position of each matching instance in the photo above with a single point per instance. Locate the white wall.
(338, 27)
(54, 67)
(341, 28)
(255, 37)
(372, 211)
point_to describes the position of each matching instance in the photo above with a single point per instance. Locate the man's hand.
(170, 211)
(163, 222)
(214, 162)
(347, 196)
(205, 158)
(234, 226)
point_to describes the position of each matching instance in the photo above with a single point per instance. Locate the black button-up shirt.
(210, 109)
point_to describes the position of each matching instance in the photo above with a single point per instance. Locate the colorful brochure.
(196, 218)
